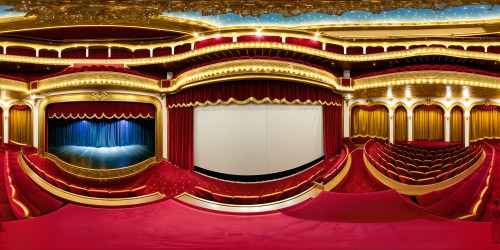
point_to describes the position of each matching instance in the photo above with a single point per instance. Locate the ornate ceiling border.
(255, 69)
(92, 79)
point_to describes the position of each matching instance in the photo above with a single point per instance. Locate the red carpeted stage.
(379, 220)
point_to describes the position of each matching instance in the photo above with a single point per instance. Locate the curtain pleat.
(372, 123)
(101, 132)
(180, 137)
(331, 131)
(484, 123)
(21, 126)
(400, 124)
(428, 124)
(457, 125)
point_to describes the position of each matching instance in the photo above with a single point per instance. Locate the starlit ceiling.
(462, 13)
(401, 15)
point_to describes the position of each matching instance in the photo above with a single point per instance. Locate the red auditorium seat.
(433, 173)
(407, 180)
(78, 190)
(272, 197)
(246, 199)
(411, 167)
(120, 193)
(61, 184)
(289, 192)
(424, 168)
(138, 191)
(204, 193)
(442, 176)
(426, 181)
(417, 175)
(101, 193)
(402, 171)
(392, 175)
(223, 198)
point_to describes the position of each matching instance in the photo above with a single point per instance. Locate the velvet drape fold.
(400, 124)
(457, 125)
(21, 124)
(370, 121)
(181, 105)
(428, 123)
(484, 122)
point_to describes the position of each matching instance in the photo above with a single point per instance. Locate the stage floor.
(103, 158)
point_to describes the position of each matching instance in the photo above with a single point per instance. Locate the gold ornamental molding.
(144, 10)
(13, 85)
(110, 96)
(92, 79)
(252, 45)
(420, 189)
(255, 69)
(100, 174)
(87, 200)
(425, 77)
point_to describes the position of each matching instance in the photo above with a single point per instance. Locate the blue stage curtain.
(101, 132)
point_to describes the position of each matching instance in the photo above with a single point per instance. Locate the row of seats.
(443, 158)
(327, 172)
(466, 197)
(27, 199)
(334, 168)
(254, 199)
(444, 67)
(409, 173)
(77, 188)
(253, 57)
(119, 53)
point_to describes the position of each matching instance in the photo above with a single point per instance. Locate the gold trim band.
(101, 174)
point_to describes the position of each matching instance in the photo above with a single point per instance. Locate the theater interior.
(259, 124)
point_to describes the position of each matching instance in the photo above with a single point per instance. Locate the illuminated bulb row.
(427, 81)
(13, 88)
(97, 82)
(256, 68)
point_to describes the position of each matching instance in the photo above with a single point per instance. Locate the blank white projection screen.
(256, 139)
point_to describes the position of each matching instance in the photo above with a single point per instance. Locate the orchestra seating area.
(416, 166)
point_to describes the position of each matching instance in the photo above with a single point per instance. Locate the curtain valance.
(99, 110)
(256, 91)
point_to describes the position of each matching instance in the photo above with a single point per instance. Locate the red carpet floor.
(379, 220)
(358, 179)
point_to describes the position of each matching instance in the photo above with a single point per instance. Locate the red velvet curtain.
(181, 105)
(100, 110)
(332, 132)
(304, 42)
(212, 41)
(180, 137)
(428, 107)
(371, 107)
(486, 107)
(182, 48)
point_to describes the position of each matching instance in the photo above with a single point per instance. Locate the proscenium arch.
(87, 96)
